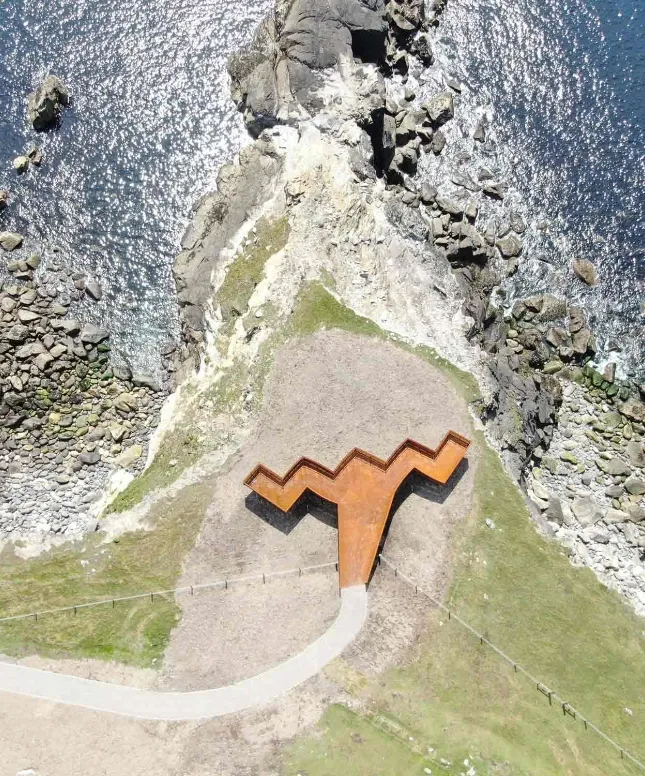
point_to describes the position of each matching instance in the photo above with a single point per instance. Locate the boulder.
(517, 223)
(422, 47)
(586, 511)
(17, 334)
(633, 409)
(46, 103)
(615, 467)
(450, 206)
(438, 143)
(21, 164)
(89, 459)
(440, 108)
(117, 431)
(4, 199)
(35, 156)
(585, 270)
(495, 190)
(635, 486)
(126, 402)
(10, 241)
(43, 360)
(554, 511)
(129, 456)
(510, 246)
(146, 381)
(30, 351)
(93, 335)
(94, 290)
(614, 516)
(68, 325)
(479, 135)
(636, 453)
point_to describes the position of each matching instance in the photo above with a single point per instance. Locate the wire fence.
(222, 584)
(229, 582)
(553, 697)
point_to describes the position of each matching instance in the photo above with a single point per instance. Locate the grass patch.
(247, 269)
(134, 633)
(464, 702)
(180, 449)
(458, 698)
(353, 745)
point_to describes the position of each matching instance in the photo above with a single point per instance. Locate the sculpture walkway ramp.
(204, 704)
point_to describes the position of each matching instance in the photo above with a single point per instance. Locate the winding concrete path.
(204, 704)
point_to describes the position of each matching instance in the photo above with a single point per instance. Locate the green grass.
(182, 445)
(247, 269)
(462, 700)
(134, 633)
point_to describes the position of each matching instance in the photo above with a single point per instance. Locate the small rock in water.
(438, 143)
(35, 156)
(4, 199)
(46, 103)
(495, 190)
(94, 290)
(21, 164)
(586, 271)
(10, 241)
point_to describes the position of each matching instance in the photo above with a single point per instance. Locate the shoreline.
(530, 362)
(343, 120)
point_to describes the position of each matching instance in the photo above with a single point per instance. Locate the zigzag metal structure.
(363, 487)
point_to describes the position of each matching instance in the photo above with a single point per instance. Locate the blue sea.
(560, 82)
(561, 85)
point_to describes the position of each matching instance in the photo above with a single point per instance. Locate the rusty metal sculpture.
(363, 486)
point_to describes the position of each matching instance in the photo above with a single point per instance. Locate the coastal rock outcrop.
(278, 80)
(46, 103)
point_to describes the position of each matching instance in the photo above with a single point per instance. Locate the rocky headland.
(334, 189)
(328, 93)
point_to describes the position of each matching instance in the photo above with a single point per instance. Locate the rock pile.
(67, 416)
(590, 485)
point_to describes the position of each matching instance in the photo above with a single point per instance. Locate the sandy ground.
(324, 396)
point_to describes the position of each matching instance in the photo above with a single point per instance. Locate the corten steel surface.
(363, 486)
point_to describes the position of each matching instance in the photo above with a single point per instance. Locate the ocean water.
(561, 87)
(151, 123)
(560, 83)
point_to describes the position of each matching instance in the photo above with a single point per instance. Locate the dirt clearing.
(324, 395)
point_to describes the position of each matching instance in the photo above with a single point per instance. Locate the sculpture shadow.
(327, 512)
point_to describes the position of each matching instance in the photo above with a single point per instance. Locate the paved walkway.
(182, 706)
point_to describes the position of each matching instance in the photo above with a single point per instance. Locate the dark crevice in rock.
(369, 46)
(382, 156)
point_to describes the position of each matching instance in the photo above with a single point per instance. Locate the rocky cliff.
(339, 136)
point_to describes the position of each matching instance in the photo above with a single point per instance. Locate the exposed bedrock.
(278, 80)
